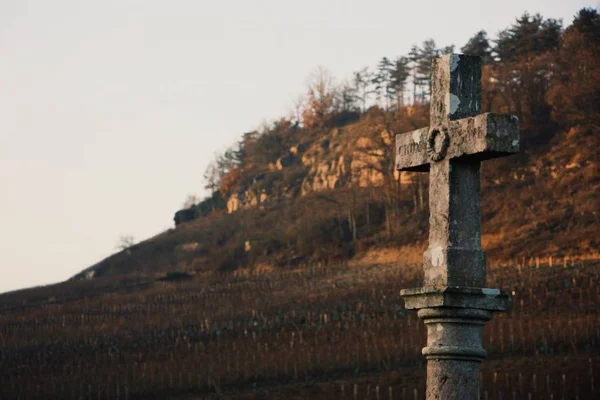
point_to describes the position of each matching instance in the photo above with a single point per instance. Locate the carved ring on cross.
(438, 154)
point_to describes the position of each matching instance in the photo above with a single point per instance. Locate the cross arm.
(480, 138)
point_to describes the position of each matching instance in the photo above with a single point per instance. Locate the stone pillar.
(454, 317)
(453, 351)
(453, 301)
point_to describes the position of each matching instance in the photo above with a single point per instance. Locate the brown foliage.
(575, 94)
(230, 181)
(319, 101)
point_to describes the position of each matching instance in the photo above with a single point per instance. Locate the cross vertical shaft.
(453, 301)
(454, 256)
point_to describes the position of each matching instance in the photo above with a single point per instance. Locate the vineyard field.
(319, 332)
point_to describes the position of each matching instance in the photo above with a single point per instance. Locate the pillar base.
(454, 317)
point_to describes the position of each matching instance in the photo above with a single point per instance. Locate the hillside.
(543, 200)
(321, 187)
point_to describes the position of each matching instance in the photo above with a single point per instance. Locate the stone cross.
(453, 301)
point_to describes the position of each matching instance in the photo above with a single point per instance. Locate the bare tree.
(219, 167)
(378, 154)
(320, 98)
(212, 176)
(345, 98)
(298, 104)
(125, 242)
(363, 87)
(190, 201)
(321, 81)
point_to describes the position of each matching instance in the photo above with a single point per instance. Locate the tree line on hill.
(546, 75)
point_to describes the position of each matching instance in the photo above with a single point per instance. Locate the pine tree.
(528, 37)
(525, 55)
(399, 75)
(575, 92)
(479, 45)
(383, 81)
(413, 57)
(427, 53)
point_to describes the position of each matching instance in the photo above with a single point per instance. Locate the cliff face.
(346, 157)
(541, 199)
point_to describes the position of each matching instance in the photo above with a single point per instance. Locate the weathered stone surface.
(454, 351)
(285, 161)
(452, 150)
(455, 87)
(454, 256)
(475, 139)
(246, 199)
(235, 202)
(187, 248)
(300, 148)
(330, 175)
(455, 297)
(89, 274)
(454, 302)
(263, 197)
(452, 379)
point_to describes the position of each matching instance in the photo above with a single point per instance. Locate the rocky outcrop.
(345, 157)
(235, 202)
(327, 175)
(299, 149)
(245, 199)
(187, 248)
(185, 215)
(285, 161)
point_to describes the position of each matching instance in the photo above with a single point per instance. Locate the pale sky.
(110, 110)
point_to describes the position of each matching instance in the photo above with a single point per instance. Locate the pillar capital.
(455, 297)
